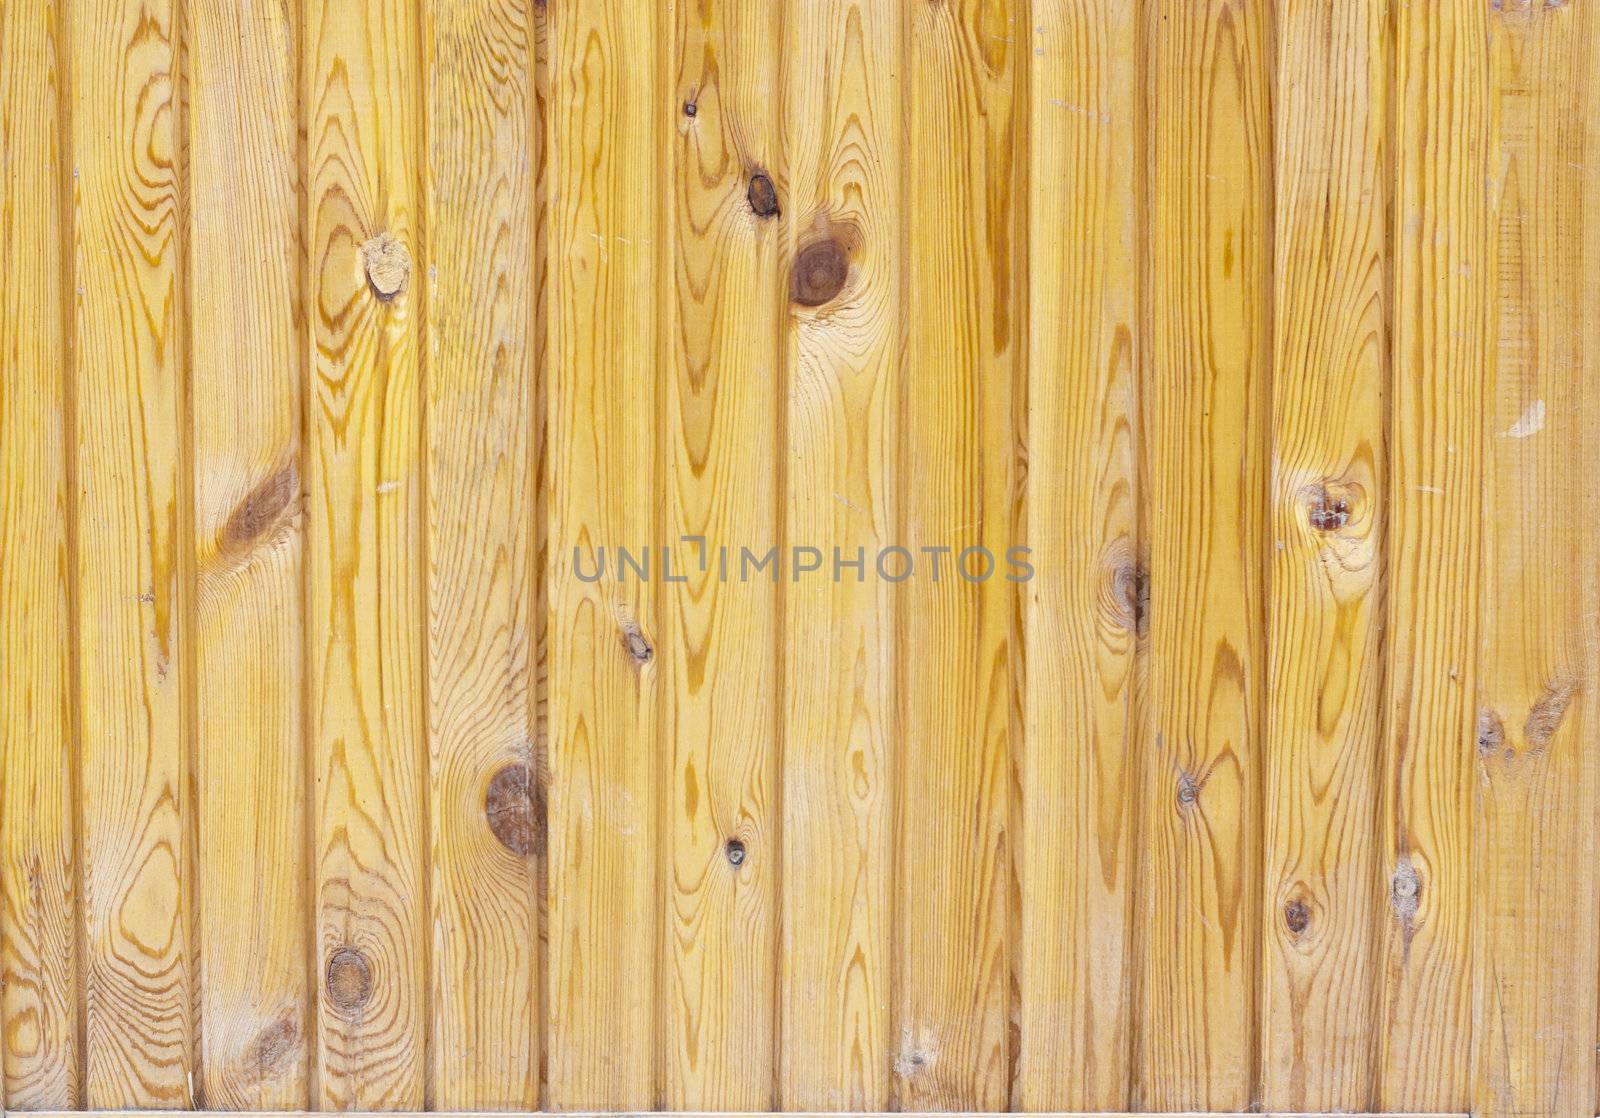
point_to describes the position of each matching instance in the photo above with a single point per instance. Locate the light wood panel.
(1205, 424)
(40, 988)
(245, 388)
(365, 607)
(610, 109)
(486, 804)
(841, 423)
(1325, 679)
(954, 670)
(1084, 608)
(1536, 961)
(342, 342)
(720, 453)
(1441, 266)
(128, 369)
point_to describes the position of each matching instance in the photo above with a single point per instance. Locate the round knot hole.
(762, 195)
(735, 852)
(820, 272)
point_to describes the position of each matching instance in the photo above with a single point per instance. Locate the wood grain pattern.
(128, 369)
(365, 599)
(1441, 261)
(1325, 679)
(486, 809)
(1083, 610)
(840, 431)
(346, 344)
(719, 660)
(40, 993)
(954, 667)
(245, 388)
(1205, 423)
(609, 104)
(1536, 955)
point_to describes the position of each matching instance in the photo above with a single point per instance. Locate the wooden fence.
(1244, 344)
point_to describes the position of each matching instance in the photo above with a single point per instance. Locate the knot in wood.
(762, 195)
(514, 811)
(349, 980)
(1327, 510)
(735, 852)
(388, 264)
(1491, 732)
(820, 272)
(634, 641)
(1188, 789)
(1296, 916)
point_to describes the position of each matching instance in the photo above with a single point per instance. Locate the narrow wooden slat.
(1536, 955)
(1324, 691)
(485, 805)
(719, 634)
(1206, 424)
(128, 368)
(244, 335)
(840, 424)
(1441, 268)
(1083, 605)
(365, 608)
(609, 104)
(955, 669)
(39, 991)
(759, 1114)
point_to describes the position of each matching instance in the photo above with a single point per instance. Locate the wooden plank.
(720, 634)
(1441, 261)
(608, 100)
(244, 335)
(39, 963)
(128, 368)
(756, 1114)
(952, 982)
(1537, 956)
(1325, 680)
(1206, 426)
(840, 422)
(1082, 614)
(365, 557)
(485, 809)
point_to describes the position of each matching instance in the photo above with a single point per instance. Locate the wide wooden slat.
(486, 796)
(720, 657)
(840, 424)
(1325, 678)
(365, 608)
(1205, 423)
(128, 363)
(609, 101)
(244, 335)
(1441, 265)
(39, 966)
(1537, 954)
(1084, 605)
(955, 670)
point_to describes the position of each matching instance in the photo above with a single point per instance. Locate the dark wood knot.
(349, 980)
(820, 272)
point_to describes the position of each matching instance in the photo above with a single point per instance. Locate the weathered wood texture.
(823, 555)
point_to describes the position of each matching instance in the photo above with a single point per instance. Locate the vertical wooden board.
(1534, 889)
(244, 336)
(128, 369)
(719, 633)
(1325, 677)
(486, 810)
(1206, 423)
(844, 141)
(609, 111)
(1441, 268)
(955, 669)
(1083, 606)
(365, 608)
(39, 991)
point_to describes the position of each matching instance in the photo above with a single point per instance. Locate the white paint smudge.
(1530, 423)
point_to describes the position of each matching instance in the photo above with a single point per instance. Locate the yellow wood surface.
(344, 342)
(485, 801)
(246, 403)
(364, 599)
